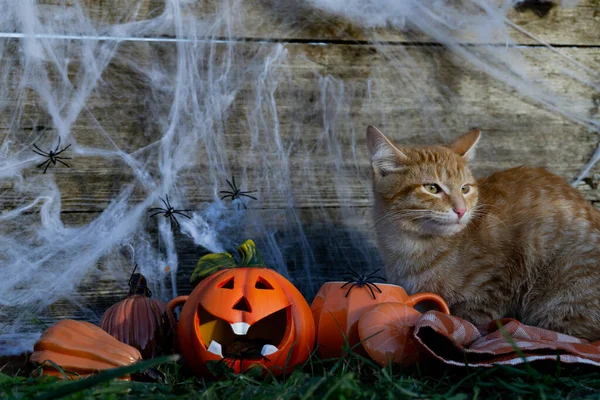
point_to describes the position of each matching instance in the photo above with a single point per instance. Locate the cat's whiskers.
(413, 212)
(483, 206)
(387, 217)
(416, 217)
(396, 215)
(438, 217)
(478, 213)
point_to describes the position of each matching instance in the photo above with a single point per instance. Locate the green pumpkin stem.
(249, 255)
(211, 263)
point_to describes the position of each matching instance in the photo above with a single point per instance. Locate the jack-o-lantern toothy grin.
(249, 314)
(240, 340)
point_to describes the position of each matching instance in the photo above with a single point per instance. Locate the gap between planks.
(311, 42)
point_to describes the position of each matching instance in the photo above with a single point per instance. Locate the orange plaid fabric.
(455, 341)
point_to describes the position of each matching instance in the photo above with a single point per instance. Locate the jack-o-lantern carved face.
(246, 316)
(245, 312)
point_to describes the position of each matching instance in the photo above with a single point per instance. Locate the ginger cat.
(520, 243)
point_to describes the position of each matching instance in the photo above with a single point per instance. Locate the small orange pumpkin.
(141, 321)
(338, 306)
(386, 333)
(81, 347)
(245, 316)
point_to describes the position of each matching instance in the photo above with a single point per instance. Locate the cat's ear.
(385, 157)
(466, 144)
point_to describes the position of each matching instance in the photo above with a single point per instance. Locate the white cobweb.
(198, 105)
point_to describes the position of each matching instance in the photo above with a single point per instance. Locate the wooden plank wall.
(516, 131)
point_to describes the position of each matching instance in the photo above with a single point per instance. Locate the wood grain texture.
(430, 104)
(283, 20)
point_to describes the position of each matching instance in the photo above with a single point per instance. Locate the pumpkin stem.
(138, 285)
(131, 276)
(249, 255)
(211, 263)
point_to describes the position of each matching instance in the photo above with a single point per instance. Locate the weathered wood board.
(433, 103)
(516, 131)
(280, 20)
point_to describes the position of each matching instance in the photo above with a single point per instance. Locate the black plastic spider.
(362, 280)
(52, 156)
(236, 193)
(169, 212)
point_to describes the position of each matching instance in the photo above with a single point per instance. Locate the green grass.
(351, 378)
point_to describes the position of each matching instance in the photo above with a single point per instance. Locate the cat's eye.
(465, 189)
(432, 188)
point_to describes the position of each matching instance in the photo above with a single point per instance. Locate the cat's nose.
(460, 212)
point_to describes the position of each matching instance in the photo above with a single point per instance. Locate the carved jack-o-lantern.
(244, 315)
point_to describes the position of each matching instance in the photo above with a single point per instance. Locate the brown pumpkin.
(244, 316)
(82, 348)
(141, 321)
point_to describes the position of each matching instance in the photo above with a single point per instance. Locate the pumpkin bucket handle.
(176, 301)
(419, 297)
